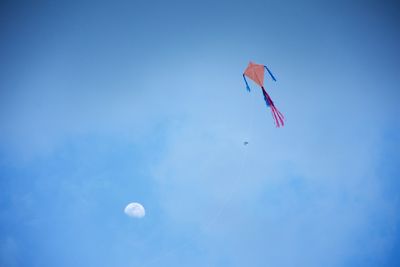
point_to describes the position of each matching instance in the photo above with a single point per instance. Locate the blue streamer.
(247, 85)
(270, 73)
(266, 100)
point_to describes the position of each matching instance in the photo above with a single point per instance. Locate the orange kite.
(256, 73)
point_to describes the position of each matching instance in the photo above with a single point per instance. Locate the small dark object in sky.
(245, 143)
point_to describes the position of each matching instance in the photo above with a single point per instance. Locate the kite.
(256, 73)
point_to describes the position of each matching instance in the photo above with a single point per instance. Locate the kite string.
(235, 183)
(220, 211)
(234, 187)
(211, 223)
(229, 195)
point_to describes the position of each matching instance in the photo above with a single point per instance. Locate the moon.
(135, 210)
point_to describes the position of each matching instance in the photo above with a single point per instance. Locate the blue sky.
(105, 103)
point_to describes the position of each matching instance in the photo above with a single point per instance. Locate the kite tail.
(276, 114)
(270, 73)
(247, 85)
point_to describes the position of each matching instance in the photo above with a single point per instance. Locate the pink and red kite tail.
(276, 114)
